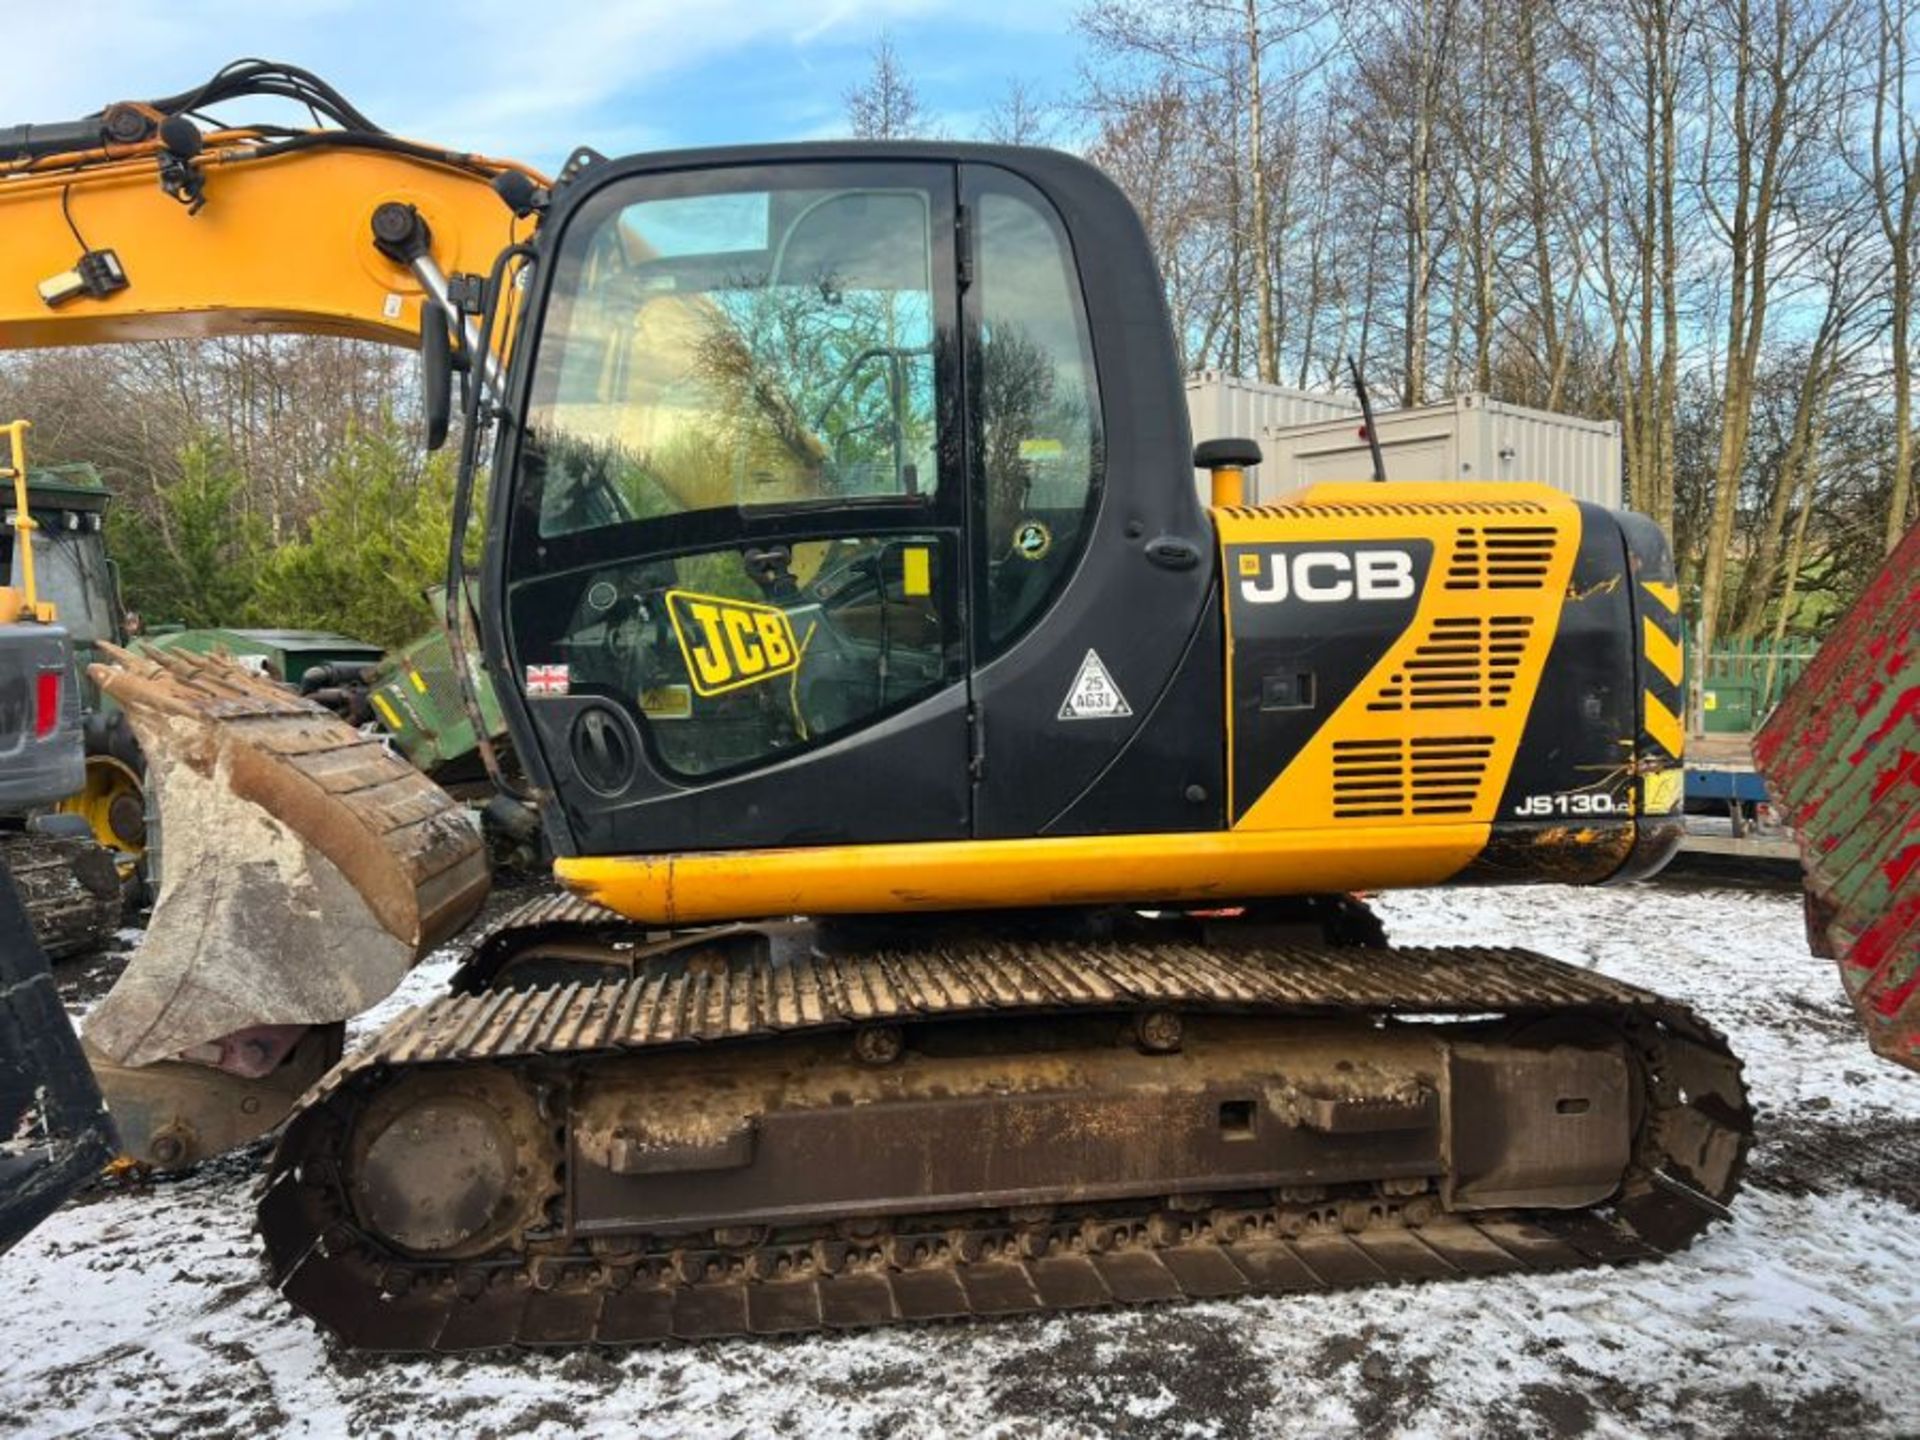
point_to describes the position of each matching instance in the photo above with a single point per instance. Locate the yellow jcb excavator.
(958, 821)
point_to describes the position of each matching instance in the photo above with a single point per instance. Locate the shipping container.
(1222, 406)
(1469, 437)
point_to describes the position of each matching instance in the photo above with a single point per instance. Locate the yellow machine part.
(20, 603)
(1226, 865)
(283, 243)
(113, 802)
(304, 868)
(1376, 715)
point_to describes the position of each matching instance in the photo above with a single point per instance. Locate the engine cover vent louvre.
(1446, 773)
(1423, 776)
(1350, 509)
(1500, 557)
(1466, 662)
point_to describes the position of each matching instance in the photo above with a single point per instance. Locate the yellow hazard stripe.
(1663, 651)
(388, 713)
(1667, 595)
(1663, 725)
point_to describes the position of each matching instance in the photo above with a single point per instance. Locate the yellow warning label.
(1249, 563)
(731, 643)
(918, 563)
(1664, 791)
(667, 702)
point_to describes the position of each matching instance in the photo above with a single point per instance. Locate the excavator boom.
(305, 868)
(269, 233)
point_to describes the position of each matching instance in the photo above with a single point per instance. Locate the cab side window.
(1039, 411)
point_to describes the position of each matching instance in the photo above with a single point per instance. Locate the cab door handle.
(1170, 552)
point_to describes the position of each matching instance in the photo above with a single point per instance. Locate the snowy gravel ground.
(144, 1313)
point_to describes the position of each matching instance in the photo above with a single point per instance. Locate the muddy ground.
(143, 1312)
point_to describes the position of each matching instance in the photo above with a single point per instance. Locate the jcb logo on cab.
(730, 643)
(1326, 576)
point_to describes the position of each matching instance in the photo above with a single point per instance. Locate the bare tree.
(1477, 118)
(1545, 198)
(1633, 62)
(1400, 53)
(886, 105)
(1231, 48)
(1021, 116)
(1811, 374)
(1778, 64)
(1150, 142)
(1893, 177)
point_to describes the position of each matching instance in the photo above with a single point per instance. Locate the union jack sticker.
(548, 680)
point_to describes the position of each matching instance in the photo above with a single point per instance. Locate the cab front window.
(736, 350)
(729, 518)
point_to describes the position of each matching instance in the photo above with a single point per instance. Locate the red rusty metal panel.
(1841, 758)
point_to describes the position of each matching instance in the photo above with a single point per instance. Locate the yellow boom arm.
(139, 224)
(284, 241)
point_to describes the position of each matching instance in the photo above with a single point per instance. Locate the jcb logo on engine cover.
(1326, 576)
(730, 643)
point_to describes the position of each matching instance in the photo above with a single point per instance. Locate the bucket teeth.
(304, 867)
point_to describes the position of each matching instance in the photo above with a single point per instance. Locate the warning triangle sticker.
(1093, 695)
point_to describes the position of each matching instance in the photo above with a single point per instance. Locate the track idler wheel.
(446, 1165)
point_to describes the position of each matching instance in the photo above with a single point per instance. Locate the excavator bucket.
(304, 868)
(1841, 758)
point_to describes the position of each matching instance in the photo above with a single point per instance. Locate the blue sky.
(533, 78)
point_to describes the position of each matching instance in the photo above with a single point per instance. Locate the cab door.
(1096, 626)
(730, 568)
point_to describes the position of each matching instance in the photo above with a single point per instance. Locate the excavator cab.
(848, 509)
(840, 474)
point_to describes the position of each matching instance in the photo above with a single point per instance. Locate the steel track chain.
(541, 1289)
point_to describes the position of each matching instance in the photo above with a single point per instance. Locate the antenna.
(1366, 415)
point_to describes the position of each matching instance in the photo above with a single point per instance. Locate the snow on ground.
(144, 1313)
